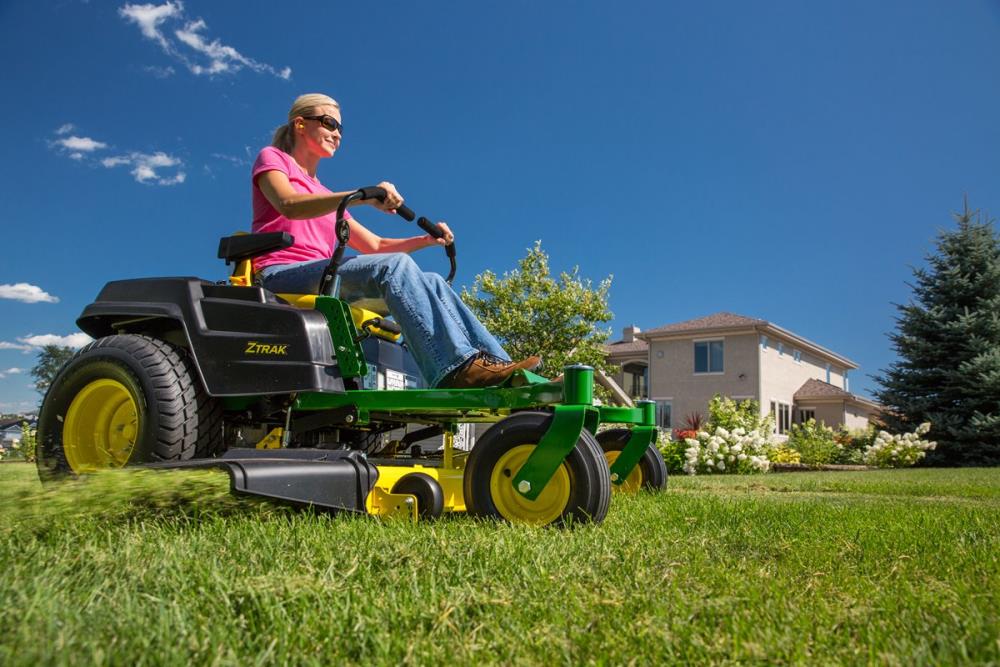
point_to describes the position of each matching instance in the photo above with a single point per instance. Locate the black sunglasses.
(329, 122)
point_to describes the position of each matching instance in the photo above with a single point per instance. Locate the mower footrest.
(335, 480)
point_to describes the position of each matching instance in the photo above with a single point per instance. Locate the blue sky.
(784, 160)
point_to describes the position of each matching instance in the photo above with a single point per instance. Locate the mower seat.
(242, 247)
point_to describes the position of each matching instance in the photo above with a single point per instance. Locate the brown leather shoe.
(486, 370)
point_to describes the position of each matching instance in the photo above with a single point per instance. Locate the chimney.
(629, 332)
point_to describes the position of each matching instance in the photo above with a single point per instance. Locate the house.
(10, 429)
(682, 366)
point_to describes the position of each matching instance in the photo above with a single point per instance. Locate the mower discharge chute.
(183, 370)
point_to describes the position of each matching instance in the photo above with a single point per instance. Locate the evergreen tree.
(531, 312)
(948, 343)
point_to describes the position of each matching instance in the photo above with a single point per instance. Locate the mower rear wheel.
(580, 489)
(430, 496)
(651, 471)
(123, 400)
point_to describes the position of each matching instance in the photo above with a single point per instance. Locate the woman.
(451, 347)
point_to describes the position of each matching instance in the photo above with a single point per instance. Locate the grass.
(895, 567)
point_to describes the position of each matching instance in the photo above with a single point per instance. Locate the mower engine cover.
(243, 341)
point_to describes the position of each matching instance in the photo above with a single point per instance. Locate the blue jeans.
(440, 330)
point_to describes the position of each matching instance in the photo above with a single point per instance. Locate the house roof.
(818, 390)
(723, 321)
(622, 347)
(714, 321)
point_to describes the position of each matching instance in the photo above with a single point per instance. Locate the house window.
(663, 416)
(847, 384)
(708, 356)
(782, 416)
(797, 355)
(805, 414)
(763, 342)
(635, 379)
(828, 374)
(781, 349)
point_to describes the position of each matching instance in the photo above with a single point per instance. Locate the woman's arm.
(302, 206)
(367, 242)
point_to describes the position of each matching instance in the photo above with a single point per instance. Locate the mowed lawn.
(888, 567)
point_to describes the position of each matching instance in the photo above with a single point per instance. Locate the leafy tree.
(948, 342)
(50, 360)
(531, 312)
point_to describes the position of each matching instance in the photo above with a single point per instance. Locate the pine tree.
(948, 343)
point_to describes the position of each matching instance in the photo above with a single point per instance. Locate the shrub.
(814, 442)
(854, 443)
(784, 454)
(726, 413)
(725, 451)
(672, 452)
(20, 449)
(898, 451)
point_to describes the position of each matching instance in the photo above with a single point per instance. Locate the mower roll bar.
(343, 231)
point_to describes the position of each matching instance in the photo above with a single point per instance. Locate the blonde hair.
(304, 105)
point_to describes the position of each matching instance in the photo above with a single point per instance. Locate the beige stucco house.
(681, 366)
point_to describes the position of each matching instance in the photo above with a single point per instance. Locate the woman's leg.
(475, 332)
(438, 332)
(300, 278)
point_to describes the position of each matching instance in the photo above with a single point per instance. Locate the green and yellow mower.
(310, 400)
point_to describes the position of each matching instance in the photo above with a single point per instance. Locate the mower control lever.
(375, 192)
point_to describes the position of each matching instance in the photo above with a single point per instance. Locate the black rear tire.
(579, 492)
(651, 468)
(128, 399)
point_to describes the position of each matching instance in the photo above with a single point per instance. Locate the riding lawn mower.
(279, 391)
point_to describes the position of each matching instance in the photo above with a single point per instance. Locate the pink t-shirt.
(314, 238)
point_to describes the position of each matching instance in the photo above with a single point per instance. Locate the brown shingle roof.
(819, 389)
(621, 347)
(715, 321)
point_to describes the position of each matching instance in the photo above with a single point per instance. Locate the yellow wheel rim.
(514, 507)
(632, 483)
(101, 427)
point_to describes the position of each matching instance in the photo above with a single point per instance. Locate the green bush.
(672, 451)
(814, 443)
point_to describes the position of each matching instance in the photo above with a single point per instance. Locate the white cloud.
(235, 161)
(160, 72)
(80, 144)
(72, 340)
(19, 406)
(145, 166)
(10, 371)
(65, 129)
(203, 56)
(150, 17)
(26, 293)
(4, 345)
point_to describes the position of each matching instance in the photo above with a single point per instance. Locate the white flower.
(721, 465)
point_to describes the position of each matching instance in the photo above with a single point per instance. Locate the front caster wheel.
(430, 496)
(651, 471)
(580, 490)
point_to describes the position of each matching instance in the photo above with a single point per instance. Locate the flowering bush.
(683, 434)
(814, 442)
(20, 449)
(730, 415)
(897, 451)
(784, 454)
(725, 451)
